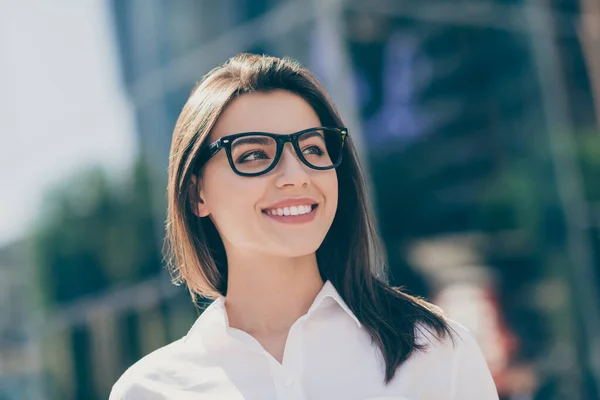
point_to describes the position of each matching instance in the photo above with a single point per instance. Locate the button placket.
(288, 387)
(292, 357)
(287, 375)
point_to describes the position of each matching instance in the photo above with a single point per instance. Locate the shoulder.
(165, 371)
(155, 369)
(457, 360)
(458, 344)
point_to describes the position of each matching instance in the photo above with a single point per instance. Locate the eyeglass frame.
(226, 141)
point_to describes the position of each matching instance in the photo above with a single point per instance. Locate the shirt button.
(289, 382)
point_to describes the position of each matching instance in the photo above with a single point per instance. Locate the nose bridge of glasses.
(285, 141)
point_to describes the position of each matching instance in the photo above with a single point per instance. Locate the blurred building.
(22, 375)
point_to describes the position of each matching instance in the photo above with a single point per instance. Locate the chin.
(294, 250)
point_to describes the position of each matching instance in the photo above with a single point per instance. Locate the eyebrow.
(252, 140)
(310, 134)
(266, 140)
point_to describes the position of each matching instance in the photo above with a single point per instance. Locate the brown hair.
(350, 254)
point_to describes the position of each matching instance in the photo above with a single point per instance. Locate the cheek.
(231, 199)
(329, 186)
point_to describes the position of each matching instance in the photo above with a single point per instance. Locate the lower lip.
(294, 219)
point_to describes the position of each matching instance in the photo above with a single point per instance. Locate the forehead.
(274, 112)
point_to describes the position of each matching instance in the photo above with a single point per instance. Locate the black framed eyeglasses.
(256, 153)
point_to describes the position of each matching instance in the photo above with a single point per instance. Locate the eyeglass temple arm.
(216, 146)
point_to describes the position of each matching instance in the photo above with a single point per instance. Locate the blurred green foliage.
(95, 233)
(588, 146)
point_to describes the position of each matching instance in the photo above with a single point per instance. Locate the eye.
(252, 156)
(313, 150)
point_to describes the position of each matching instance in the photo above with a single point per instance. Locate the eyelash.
(319, 149)
(242, 159)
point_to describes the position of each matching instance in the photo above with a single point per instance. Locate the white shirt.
(328, 356)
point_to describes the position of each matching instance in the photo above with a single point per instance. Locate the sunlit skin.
(273, 273)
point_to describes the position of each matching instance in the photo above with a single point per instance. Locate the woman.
(268, 215)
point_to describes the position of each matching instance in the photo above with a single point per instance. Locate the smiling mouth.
(291, 211)
(298, 215)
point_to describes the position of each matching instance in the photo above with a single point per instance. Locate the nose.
(290, 170)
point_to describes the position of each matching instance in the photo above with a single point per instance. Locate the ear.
(197, 204)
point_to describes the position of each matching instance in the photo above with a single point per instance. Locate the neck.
(266, 295)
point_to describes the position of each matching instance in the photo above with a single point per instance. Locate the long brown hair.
(350, 256)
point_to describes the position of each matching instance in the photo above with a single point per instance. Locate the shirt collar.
(329, 294)
(214, 318)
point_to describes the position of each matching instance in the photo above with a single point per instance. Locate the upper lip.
(292, 202)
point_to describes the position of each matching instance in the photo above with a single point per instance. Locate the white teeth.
(293, 210)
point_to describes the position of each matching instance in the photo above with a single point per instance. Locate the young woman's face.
(240, 206)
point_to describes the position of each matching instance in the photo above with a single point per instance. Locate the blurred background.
(478, 122)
